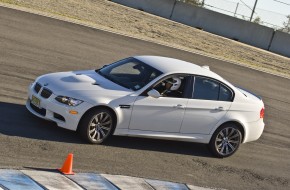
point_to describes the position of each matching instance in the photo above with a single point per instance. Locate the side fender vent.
(125, 106)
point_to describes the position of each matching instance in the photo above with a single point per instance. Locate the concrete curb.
(53, 180)
(86, 24)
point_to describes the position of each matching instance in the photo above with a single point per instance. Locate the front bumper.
(52, 110)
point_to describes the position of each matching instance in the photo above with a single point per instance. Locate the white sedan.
(153, 97)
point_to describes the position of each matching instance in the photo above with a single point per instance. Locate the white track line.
(52, 180)
(126, 182)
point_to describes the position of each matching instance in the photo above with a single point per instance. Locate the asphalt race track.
(32, 45)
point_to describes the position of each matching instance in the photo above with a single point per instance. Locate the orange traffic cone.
(67, 165)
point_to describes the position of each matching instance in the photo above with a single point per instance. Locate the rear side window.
(225, 94)
(208, 89)
(205, 89)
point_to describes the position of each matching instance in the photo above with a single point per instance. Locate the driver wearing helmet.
(172, 86)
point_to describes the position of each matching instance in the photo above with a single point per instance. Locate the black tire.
(97, 125)
(225, 141)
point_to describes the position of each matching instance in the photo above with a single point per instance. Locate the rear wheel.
(97, 126)
(225, 141)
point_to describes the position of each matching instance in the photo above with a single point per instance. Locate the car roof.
(170, 65)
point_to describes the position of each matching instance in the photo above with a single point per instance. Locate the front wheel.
(97, 126)
(225, 140)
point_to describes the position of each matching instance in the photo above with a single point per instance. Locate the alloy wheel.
(100, 126)
(227, 141)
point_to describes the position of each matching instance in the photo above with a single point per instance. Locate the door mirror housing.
(154, 93)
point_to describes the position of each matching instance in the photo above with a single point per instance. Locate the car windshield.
(129, 73)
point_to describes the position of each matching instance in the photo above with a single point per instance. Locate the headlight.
(68, 100)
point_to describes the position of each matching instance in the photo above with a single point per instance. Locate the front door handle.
(220, 108)
(179, 106)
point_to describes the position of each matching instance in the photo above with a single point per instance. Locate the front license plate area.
(35, 101)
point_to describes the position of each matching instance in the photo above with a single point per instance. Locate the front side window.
(208, 89)
(174, 86)
(130, 73)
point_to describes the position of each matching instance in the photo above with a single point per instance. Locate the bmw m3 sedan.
(151, 97)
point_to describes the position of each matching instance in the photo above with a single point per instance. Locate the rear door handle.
(220, 108)
(179, 106)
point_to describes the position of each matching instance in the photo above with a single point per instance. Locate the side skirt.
(199, 138)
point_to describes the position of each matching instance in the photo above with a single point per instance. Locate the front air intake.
(46, 93)
(37, 87)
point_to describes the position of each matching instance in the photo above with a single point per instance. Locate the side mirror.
(154, 93)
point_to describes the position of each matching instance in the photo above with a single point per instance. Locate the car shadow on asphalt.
(176, 147)
(15, 120)
(41, 169)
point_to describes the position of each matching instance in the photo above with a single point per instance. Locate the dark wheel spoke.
(231, 146)
(101, 117)
(105, 128)
(98, 136)
(234, 142)
(105, 118)
(95, 120)
(227, 131)
(107, 122)
(222, 134)
(102, 132)
(234, 136)
(231, 133)
(223, 147)
(227, 149)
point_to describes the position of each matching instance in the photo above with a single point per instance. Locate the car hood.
(81, 83)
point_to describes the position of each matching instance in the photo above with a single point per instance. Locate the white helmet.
(176, 82)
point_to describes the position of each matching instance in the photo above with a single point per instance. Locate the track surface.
(32, 45)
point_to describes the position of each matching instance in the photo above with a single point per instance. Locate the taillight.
(262, 113)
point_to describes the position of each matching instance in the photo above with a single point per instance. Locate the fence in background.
(223, 25)
(217, 23)
(243, 11)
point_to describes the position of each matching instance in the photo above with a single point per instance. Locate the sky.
(270, 5)
(271, 12)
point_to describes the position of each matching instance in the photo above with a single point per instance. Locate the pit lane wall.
(281, 43)
(223, 25)
(161, 8)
